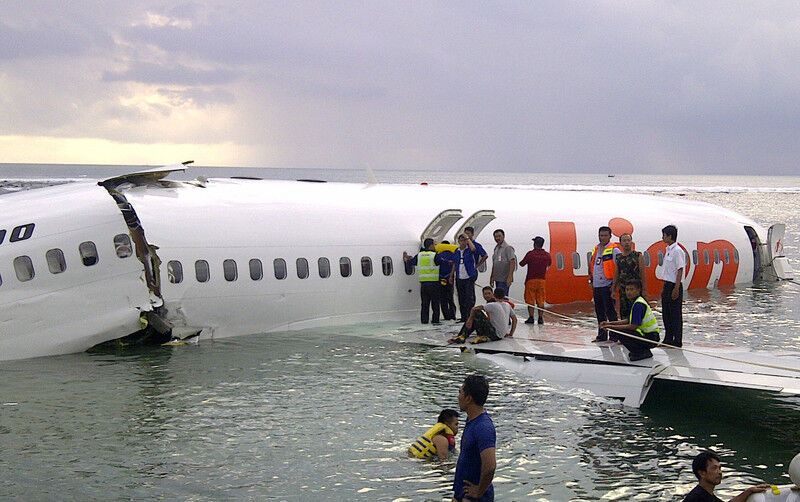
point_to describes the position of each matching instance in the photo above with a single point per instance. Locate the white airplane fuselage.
(232, 257)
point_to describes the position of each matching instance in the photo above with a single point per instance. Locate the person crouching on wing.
(641, 323)
(439, 440)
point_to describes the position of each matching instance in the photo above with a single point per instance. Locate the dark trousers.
(446, 301)
(429, 293)
(466, 295)
(480, 326)
(635, 346)
(671, 312)
(604, 309)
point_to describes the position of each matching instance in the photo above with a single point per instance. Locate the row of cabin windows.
(230, 270)
(726, 256)
(57, 262)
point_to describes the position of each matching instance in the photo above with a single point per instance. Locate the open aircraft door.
(478, 221)
(779, 262)
(441, 224)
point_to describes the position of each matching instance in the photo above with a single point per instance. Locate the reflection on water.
(298, 415)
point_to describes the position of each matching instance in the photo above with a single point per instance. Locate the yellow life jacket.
(427, 268)
(424, 447)
(442, 247)
(649, 321)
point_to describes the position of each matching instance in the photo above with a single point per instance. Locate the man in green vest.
(427, 263)
(641, 324)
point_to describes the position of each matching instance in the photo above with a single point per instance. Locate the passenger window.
(122, 245)
(324, 266)
(1, 280)
(366, 266)
(735, 256)
(229, 270)
(386, 265)
(201, 271)
(88, 253)
(646, 256)
(410, 268)
(302, 268)
(716, 256)
(344, 267)
(279, 264)
(23, 266)
(706, 256)
(55, 261)
(660, 258)
(175, 272)
(576, 261)
(694, 257)
(589, 258)
(560, 261)
(727, 257)
(256, 269)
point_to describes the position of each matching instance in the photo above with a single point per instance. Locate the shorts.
(534, 292)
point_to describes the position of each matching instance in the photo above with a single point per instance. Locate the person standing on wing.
(630, 266)
(504, 262)
(601, 277)
(427, 263)
(672, 294)
(537, 260)
(465, 263)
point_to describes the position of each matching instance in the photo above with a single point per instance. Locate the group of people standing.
(618, 269)
(448, 271)
(615, 270)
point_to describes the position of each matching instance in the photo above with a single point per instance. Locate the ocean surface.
(327, 414)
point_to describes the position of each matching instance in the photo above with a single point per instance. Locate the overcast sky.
(692, 87)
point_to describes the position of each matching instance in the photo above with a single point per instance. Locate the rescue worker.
(641, 323)
(601, 277)
(439, 440)
(427, 263)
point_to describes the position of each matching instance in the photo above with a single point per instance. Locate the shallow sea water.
(327, 414)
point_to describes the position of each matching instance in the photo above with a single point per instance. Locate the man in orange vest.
(601, 276)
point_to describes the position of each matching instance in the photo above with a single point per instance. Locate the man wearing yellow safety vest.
(601, 276)
(427, 263)
(641, 323)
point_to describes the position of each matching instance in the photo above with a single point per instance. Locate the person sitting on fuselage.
(439, 440)
(640, 324)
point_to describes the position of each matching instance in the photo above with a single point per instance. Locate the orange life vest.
(609, 265)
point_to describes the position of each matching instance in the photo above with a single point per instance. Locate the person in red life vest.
(439, 440)
(602, 269)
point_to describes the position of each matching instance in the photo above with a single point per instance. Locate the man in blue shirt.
(641, 324)
(464, 261)
(447, 281)
(476, 460)
(480, 253)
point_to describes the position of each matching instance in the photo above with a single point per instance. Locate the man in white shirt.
(672, 294)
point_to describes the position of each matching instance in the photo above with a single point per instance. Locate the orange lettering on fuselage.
(715, 252)
(654, 284)
(564, 286)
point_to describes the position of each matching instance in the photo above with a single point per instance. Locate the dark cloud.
(151, 73)
(50, 41)
(551, 85)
